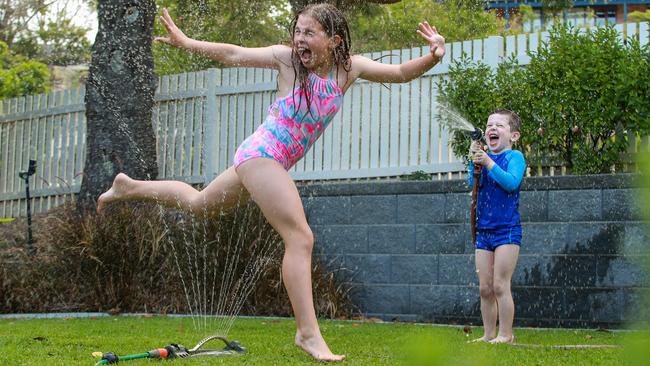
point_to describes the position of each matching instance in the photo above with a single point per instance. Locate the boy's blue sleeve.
(511, 179)
(470, 176)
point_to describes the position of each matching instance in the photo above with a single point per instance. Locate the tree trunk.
(119, 98)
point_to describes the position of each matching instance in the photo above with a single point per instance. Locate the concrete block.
(442, 238)
(373, 209)
(369, 268)
(457, 269)
(539, 302)
(391, 239)
(533, 206)
(621, 205)
(543, 238)
(421, 208)
(458, 207)
(414, 269)
(595, 238)
(331, 239)
(619, 271)
(574, 205)
(531, 270)
(387, 299)
(636, 239)
(327, 210)
(435, 301)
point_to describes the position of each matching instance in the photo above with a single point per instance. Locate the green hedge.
(581, 98)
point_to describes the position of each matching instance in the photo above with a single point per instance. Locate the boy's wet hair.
(334, 23)
(513, 119)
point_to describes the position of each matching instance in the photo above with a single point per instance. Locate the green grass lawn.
(270, 342)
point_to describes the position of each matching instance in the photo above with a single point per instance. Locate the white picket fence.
(200, 119)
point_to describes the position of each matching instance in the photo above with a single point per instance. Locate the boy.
(498, 229)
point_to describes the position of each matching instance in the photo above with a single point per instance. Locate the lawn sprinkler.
(176, 351)
(25, 176)
(476, 135)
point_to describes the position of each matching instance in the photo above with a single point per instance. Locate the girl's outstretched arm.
(365, 68)
(227, 54)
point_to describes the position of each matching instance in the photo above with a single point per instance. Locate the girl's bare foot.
(120, 185)
(317, 348)
(503, 339)
(482, 339)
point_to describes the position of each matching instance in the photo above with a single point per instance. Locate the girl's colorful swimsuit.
(286, 136)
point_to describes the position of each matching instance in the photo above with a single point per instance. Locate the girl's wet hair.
(334, 23)
(513, 118)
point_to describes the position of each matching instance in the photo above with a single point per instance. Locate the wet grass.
(270, 342)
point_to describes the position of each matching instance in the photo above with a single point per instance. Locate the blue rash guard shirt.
(498, 195)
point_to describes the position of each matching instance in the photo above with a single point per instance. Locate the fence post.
(493, 51)
(210, 142)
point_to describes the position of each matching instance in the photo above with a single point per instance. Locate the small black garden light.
(25, 176)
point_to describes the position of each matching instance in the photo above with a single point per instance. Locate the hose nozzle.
(477, 134)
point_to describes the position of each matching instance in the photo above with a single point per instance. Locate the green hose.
(124, 358)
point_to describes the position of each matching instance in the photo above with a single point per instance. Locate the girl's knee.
(301, 238)
(197, 203)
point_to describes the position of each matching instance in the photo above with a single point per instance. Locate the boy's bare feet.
(482, 339)
(502, 339)
(317, 348)
(120, 185)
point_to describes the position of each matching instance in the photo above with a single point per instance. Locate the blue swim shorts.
(490, 239)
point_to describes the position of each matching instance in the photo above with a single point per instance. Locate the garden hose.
(163, 353)
(476, 135)
(175, 351)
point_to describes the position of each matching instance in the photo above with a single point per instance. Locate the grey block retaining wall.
(406, 248)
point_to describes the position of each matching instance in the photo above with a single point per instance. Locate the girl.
(313, 75)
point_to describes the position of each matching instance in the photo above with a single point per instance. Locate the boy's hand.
(481, 157)
(175, 37)
(436, 41)
(475, 146)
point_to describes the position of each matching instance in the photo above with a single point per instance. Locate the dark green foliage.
(581, 99)
(140, 258)
(373, 26)
(246, 23)
(376, 27)
(417, 175)
(20, 76)
(56, 42)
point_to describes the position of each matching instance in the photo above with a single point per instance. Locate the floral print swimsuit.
(286, 136)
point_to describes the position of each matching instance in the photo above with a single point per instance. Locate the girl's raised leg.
(223, 192)
(274, 191)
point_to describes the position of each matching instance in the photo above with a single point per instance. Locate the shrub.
(19, 76)
(140, 258)
(581, 99)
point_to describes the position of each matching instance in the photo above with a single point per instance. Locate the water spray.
(173, 351)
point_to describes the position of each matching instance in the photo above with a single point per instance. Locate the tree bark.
(119, 98)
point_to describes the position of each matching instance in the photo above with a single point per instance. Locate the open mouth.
(493, 138)
(304, 53)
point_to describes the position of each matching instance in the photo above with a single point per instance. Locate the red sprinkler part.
(159, 353)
